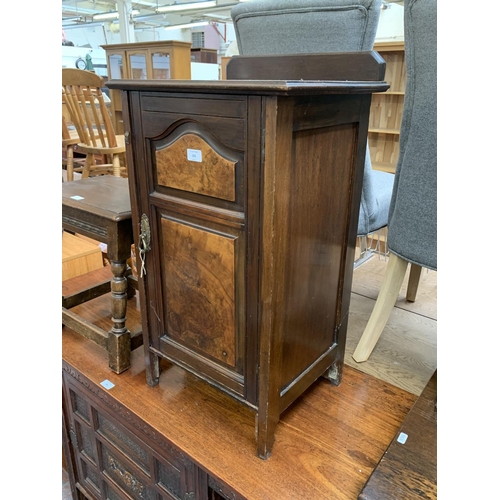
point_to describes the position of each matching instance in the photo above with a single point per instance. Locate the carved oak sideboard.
(245, 199)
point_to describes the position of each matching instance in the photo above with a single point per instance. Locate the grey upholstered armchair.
(268, 27)
(412, 225)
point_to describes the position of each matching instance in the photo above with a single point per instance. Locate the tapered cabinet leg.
(393, 279)
(413, 281)
(152, 368)
(267, 421)
(334, 373)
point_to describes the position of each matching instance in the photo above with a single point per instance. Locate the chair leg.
(413, 281)
(365, 253)
(393, 279)
(116, 165)
(89, 162)
(69, 163)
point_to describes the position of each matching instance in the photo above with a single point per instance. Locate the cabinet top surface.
(263, 87)
(159, 43)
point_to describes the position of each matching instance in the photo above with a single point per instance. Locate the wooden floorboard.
(367, 280)
(406, 353)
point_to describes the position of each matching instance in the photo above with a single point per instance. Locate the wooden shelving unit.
(163, 60)
(387, 109)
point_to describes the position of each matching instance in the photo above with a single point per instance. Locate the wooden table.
(99, 207)
(408, 469)
(128, 436)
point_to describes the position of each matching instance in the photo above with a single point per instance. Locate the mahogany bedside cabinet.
(245, 198)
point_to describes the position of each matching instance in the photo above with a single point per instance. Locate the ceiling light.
(187, 25)
(113, 15)
(187, 6)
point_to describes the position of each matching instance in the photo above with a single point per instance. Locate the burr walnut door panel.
(202, 296)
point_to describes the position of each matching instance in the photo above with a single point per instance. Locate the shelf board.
(390, 92)
(389, 131)
(389, 46)
(384, 166)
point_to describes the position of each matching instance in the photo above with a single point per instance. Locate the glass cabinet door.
(137, 65)
(116, 69)
(161, 65)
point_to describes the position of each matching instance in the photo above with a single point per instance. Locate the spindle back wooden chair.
(82, 93)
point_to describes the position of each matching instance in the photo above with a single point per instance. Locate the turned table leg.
(119, 335)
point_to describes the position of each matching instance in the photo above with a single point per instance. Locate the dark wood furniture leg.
(99, 208)
(119, 335)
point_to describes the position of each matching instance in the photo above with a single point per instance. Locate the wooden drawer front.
(114, 462)
(123, 442)
(193, 104)
(191, 164)
(116, 468)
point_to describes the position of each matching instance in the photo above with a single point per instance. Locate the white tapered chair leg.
(393, 279)
(413, 281)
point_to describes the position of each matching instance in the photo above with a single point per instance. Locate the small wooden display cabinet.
(163, 60)
(245, 199)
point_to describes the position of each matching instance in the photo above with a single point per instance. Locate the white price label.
(402, 438)
(194, 155)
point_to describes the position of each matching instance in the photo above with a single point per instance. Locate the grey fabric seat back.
(305, 26)
(412, 226)
(267, 27)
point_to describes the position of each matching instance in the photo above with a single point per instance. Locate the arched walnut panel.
(191, 159)
(192, 164)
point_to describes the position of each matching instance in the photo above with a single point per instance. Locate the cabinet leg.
(266, 423)
(152, 367)
(334, 373)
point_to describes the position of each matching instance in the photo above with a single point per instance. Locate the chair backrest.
(66, 136)
(412, 227)
(82, 94)
(265, 27)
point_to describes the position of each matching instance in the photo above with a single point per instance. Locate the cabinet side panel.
(321, 185)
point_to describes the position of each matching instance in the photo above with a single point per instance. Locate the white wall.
(391, 24)
(204, 71)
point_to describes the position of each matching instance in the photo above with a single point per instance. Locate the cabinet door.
(203, 294)
(160, 64)
(138, 64)
(196, 268)
(117, 65)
